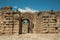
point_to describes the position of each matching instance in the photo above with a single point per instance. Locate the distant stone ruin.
(16, 22)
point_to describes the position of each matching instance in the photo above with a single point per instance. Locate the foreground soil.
(31, 37)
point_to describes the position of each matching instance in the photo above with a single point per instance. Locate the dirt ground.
(31, 37)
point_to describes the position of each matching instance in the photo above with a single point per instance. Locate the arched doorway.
(25, 26)
(26, 23)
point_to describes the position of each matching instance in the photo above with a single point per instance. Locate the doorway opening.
(25, 26)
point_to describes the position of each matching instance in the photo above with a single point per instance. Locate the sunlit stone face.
(25, 21)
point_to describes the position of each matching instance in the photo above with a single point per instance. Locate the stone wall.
(48, 22)
(39, 22)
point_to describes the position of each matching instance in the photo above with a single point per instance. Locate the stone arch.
(30, 17)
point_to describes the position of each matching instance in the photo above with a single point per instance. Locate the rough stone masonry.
(16, 22)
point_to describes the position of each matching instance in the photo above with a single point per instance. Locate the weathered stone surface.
(45, 22)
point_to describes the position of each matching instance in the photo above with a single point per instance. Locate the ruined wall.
(9, 24)
(9, 21)
(48, 22)
(12, 22)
